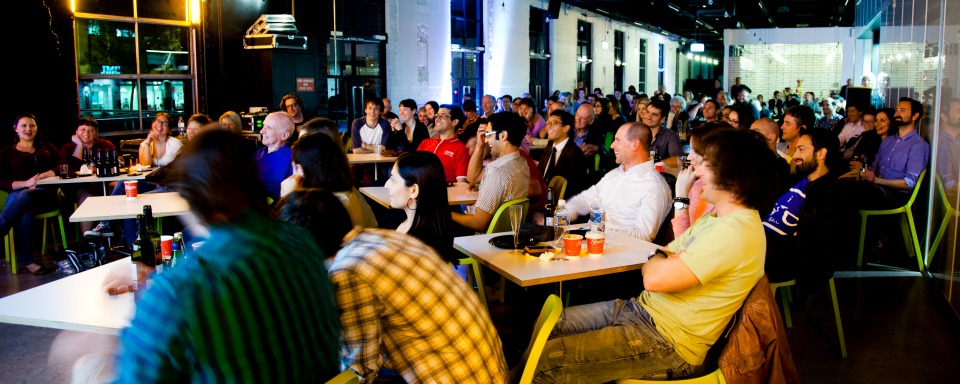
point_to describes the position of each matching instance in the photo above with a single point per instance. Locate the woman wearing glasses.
(21, 166)
(159, 148)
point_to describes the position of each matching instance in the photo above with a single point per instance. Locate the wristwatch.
(681, 203)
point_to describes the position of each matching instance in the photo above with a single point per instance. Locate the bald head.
(282, 121)
(585, 116)
(769, 129)
(631, 144)
(277, 128)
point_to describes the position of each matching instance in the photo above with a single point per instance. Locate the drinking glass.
(516, 215)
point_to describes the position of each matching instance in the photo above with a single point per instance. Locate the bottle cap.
(561, 201)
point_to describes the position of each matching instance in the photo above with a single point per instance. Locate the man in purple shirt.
(900, 160)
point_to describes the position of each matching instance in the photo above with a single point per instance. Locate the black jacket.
(398, 139)
(570, 164)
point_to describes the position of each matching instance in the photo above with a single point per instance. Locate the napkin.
(84, 170)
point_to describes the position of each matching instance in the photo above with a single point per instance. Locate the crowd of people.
(766, 184)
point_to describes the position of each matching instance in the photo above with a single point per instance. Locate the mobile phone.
(537, 250)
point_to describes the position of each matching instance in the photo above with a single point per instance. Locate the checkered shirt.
(504, 179)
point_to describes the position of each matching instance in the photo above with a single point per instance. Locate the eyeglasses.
(443, 116)
(162, 123)
(490, 133)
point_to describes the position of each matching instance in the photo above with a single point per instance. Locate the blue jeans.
(129, 226)
(21, 206)
(605, 341)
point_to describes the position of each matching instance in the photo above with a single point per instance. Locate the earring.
(414, 207)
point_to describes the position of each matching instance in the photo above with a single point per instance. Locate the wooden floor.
(898, 330)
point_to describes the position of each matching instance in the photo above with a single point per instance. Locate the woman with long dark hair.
(417, 185)
(318, 162)
(22, 165)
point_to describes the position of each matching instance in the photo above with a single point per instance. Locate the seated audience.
(323, 126)
(195, 124)
(795, 120)
(181, 325)
(406, 133)
(273, 159)
(867, 143)
(417, 186)
(387, 113)
(292, 104)
(665, 143)
(370, 130)
(613, 110)
(900, 160)
(317, 163)
(561, 157)
(231, 121)
(505, 178)
(311, 209)
(851, 127)
(452, 153)
(22, 165)
(430, 114)
(816, 153)
(692, 289)
(588, 135)
(528, 111)
(469, 126)
(689, 204)
(85, 138)
(677, 118)
(636, 198)
(159, 148)
(948, 158)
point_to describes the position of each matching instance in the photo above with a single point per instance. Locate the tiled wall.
(769, 67)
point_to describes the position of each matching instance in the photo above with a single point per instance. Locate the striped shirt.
(403, 308)
(255, 305)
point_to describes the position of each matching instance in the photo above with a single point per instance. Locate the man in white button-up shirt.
(636, 198)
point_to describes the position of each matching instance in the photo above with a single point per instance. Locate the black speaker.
(859, 96)
(553, 10)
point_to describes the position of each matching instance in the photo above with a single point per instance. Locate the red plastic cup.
(595, 243)
(166, 246)
(130, 188)
(659, 166)
(572, 244)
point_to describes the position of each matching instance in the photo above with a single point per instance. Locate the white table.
(369, 158)
(457, 194)
(621, 253)
(97, 208)
(77, 303)
(95, 179)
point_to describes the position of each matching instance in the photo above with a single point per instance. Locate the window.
(539, 55)
(660, 65)
(642, 87)
(466, 39)
(133, 60)
(584, 56)
(618, 61)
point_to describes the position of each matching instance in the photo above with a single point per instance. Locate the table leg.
(375, 172)
(104, 188)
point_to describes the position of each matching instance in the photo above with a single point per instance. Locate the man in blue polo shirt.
(900, 160)
(273, 159)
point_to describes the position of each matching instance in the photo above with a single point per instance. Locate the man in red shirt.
(451, 151)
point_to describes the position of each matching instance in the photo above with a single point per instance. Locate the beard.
(806, 167)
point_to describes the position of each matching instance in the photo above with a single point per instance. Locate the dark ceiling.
(705, 20)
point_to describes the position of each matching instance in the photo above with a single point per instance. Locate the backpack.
(83, 256)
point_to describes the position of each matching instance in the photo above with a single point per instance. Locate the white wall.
(844, 35)
(418, 63)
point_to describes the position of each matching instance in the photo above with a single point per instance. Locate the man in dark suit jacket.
(562, 157)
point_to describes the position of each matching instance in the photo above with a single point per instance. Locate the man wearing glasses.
(293, 106)
(505, 178)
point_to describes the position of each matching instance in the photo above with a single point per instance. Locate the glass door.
(466, 74)
(539, 56)
(354, 75)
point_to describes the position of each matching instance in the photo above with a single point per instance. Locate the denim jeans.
(18, 214)
(605, 341)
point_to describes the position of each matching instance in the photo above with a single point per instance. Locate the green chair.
(541, 331)
(475, 279)
(907, 225)
(608, 141)
(950, 213)
(499, 223)
(559, 186)
(7, 237)
(345, 377)
(784, 288)
(715, 377)
(10, 249)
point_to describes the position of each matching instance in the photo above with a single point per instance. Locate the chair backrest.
(501, 219)
(3, 199)
(671, 181)
(608, 141)
(559, 186)
(916, 189)
(545, 322)
(345, 377)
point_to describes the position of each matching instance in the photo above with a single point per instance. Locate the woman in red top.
(22, 165)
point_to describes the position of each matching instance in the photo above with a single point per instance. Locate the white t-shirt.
(371, 135)
(173, 148)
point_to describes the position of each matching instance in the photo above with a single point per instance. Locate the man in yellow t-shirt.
(692, 289)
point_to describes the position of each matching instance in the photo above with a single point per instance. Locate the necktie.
(550, 162)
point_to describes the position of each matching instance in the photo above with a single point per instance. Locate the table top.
(368, 158)
(94, 178)
(77, 303)
(97, 208)
(621, 253)
(456, 194)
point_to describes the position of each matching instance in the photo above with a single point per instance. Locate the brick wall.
(769, 67)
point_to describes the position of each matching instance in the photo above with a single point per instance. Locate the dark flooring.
(897, 325)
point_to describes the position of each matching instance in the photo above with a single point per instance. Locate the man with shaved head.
(273, 158)
(770, 131)
(636, 198)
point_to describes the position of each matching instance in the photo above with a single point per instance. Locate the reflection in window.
(164, 49)
(105, 47)
(113, 102)
(163, 95)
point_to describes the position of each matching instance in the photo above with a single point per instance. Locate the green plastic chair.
(475, 279)
(784, 288)
(499, 223)
(608, 141)
(907, 225)
(715, 377)
(541, 331)
(345, 377)
(559, 186)
(950, 213)
(10, 249)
